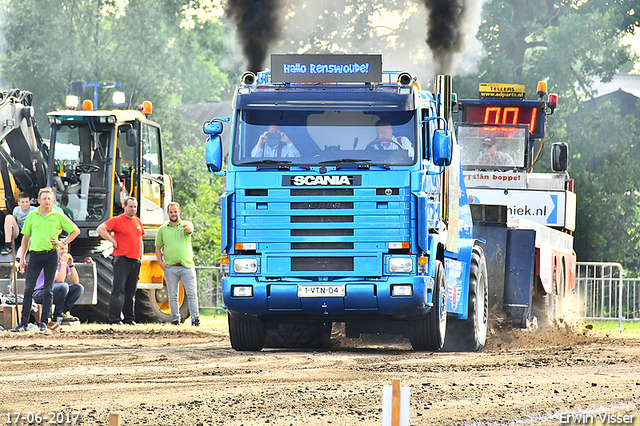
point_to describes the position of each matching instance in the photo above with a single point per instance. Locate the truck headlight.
(242, 291)
(245, 265)
(401, 264)
(401, 290)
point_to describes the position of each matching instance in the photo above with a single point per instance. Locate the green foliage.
(606, 169)
(198, 193)
(142, 44)
(169, 52)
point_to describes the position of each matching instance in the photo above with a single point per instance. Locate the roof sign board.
(501, 91)
(326, 68)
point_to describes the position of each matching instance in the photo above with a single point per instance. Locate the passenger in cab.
(386, 141)
(274, 143)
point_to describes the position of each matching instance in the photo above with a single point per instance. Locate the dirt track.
(163, 375)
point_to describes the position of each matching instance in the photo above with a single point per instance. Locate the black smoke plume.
(444, 36)
(258, 27)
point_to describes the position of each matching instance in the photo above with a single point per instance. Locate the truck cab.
(344, 203)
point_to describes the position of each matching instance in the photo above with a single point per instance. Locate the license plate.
(321, 291)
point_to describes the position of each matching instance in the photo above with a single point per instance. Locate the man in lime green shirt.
(41, 230)
(175, 256)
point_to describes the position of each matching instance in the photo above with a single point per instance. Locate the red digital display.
(495, 114)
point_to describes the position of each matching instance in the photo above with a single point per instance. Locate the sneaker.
(67, 317)
(32, 327)
(132, 322)
(43, 327)
(116, 323)
(6, 249)
(19, 329)
(195, 322)
(53, 326)
(175, 322)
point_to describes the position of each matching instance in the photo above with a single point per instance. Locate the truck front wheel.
(246, 335)
(428, 333)
(470, 335)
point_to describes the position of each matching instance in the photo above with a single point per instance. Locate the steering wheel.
(87, 168)
(379, 140)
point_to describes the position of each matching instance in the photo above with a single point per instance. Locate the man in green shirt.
(173, 243)
(41, 230)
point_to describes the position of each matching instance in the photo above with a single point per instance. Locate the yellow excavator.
(93, 160)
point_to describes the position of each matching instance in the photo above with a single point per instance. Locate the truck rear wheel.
(309, 335)
(428, 333)
(470, 335)
(246, 335)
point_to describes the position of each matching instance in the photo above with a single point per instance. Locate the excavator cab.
(98, 158)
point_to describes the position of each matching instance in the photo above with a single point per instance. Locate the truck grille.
(326, 231)
(322, 264)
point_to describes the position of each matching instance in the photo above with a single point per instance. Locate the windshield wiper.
(362, 166)
(269, 164)
(345, 160)
(266, 161)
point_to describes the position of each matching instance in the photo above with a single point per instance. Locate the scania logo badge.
(322, 180)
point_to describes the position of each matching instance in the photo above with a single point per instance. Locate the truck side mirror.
(213, 147)
(442, 148)
(559, 157)
(213, 153)
(132, 137)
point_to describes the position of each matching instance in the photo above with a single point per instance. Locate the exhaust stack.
(442, 92)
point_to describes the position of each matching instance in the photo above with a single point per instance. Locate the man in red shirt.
(127, 243)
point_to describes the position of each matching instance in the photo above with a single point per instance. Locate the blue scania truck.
(345, 202)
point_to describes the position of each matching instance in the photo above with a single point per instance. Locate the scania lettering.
(321, 180)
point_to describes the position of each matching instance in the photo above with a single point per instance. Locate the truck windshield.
(81, 159)
(492, 147)
(324, 137)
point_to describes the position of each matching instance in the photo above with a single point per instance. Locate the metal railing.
(604, 294)
(209, 287)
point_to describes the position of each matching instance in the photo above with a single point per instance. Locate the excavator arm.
(23, 152)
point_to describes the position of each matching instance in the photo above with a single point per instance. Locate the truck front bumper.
(357, 299)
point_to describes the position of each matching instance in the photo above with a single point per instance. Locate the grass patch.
(612, 326)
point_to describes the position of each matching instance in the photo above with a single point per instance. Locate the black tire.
(307, 335)
(470, 335)
(428, 333)
(100, 311)
(151, 305)
(246, 335)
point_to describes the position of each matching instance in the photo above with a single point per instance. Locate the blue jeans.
(64, 297)
(123, 293)
(173, 275)
(39, 260)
